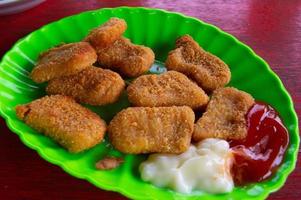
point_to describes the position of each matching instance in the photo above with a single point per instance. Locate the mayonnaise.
(204, 166)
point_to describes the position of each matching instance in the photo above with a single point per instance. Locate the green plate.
(157, 29)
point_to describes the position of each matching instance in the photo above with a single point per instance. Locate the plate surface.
(157, 29)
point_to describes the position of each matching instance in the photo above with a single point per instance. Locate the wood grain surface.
(271, 28)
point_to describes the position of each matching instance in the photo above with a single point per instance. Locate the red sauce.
(261, 152)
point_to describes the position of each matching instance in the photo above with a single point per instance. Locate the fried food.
(73, 126)
(129, 59)
(169, 89)
(94, 86)
(107, 33)
(108, 163)
(152, 130)
(225, 115)
(63, 60)
(207, 70)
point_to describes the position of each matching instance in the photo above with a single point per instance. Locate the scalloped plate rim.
(121, 190)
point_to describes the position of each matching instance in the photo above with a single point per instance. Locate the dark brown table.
(272, 28)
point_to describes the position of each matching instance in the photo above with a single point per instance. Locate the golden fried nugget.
(63, 60)
(225, 115)
(148, 130)
(94, 86)
(168, 89)
(59, 117)
(207, 70)
(107, 33)
(128, 59)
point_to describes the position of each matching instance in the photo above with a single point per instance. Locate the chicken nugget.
(225, 115)
(152, 130)
(63, 60)
(94, 86)
(207, 70)
(129, 59)
(168, 89)
(107, 33)
(73, 126)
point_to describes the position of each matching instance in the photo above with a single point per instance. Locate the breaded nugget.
(148, 130)
(71, 125)
(63, 60)
(207, 70)
(129, 59)
(225, 115)
(168, 89)
(107, 33)
(94, 86)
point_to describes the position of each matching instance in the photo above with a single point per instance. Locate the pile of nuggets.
(162, 116)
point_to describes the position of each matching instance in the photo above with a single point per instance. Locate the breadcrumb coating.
(128, 59)
(94, 86)
(168, 89)
(225, 115)
(137, 130)
(207, 70)
(63, 60)
(107, 33)
(73, 126)
(108, 163)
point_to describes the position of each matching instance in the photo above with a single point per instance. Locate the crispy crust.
(148, 130)
(129, 59)
(107, 33)
(225, 115)
(94, 86)
(108, 163)
(63, 60)
(207, 70)
(74, 127)
(169, 89)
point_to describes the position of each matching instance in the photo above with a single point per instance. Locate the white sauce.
(204, 166)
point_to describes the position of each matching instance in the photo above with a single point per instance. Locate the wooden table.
(271, 28)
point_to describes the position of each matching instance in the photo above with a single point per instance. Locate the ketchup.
(261, 152)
